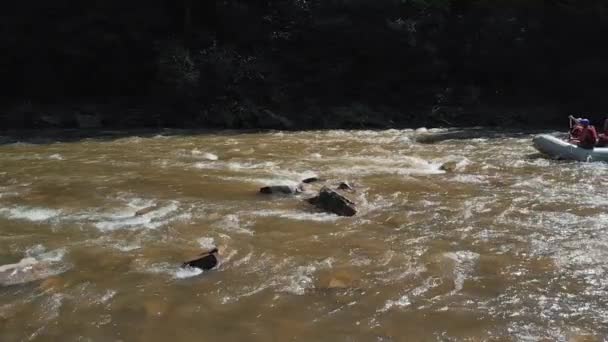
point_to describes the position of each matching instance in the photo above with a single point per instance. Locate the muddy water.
(505, 246)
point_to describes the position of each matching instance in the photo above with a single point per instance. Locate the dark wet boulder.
(451, 166)
(334, 202)
(147, 210)
(205, 261)
(345, 186)
(281, 189)
(311, 180)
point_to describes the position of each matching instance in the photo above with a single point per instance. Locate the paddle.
(572, 121)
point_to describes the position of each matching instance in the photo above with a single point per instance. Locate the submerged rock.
(281, 189)
(337, 279)
(334, 202)
(311, 180)
(147, 210)
(449, 166)
(206, 261)
(345, 186)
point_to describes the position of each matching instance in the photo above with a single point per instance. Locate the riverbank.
(354, 116)
(302, 64)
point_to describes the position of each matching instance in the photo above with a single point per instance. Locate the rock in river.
(311, 180)
(147, 210)
(345, 186)
(334, 202)
(449, 166)
(206, 261)
(281, 189)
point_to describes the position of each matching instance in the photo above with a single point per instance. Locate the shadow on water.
(42, 137)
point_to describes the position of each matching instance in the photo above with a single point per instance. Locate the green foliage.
(429, 4)
(176, 68)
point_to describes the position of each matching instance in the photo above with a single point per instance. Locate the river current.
(504, 245)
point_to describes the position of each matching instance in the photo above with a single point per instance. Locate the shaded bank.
(301, 64)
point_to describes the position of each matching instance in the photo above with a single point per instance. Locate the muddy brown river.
(503, 246)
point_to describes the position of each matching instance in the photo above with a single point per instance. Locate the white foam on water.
(30, 213)
(206, 243)
(187, 272)
(107, 296)
(56, 156)
(127, 247)
(139, 203)
(204, 155)
(235, 166)
(52, 256)
(534, 183)
(469, 179)
(463, 267)
(232, 223)
(46, 312)
(396, 164)
(208, 166)
(298, 215)
(35, 250)
(243, 261)
(402, 302)
(172, 270)
(298, 282)
(51, 306)
(460, 162)
(278, 176)
(126, 219)
(37, 264)
(210, 156)
(8, 192)
(22, 264)
(367, 170)
(260, 181)
(426, 203)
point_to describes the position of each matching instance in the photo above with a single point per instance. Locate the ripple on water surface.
(497, 244)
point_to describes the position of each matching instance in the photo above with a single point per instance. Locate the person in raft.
(586, 136)
(575, 128)
(603, 137)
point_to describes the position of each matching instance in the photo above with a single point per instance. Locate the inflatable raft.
(561, 149)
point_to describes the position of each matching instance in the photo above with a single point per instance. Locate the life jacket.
(602, 140)
(588, 137)
(576, 131)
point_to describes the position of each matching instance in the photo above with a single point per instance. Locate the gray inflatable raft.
(561, 149)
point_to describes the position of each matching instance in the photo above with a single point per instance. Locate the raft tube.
(561, 149)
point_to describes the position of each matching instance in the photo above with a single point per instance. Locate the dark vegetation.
(301, 63)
